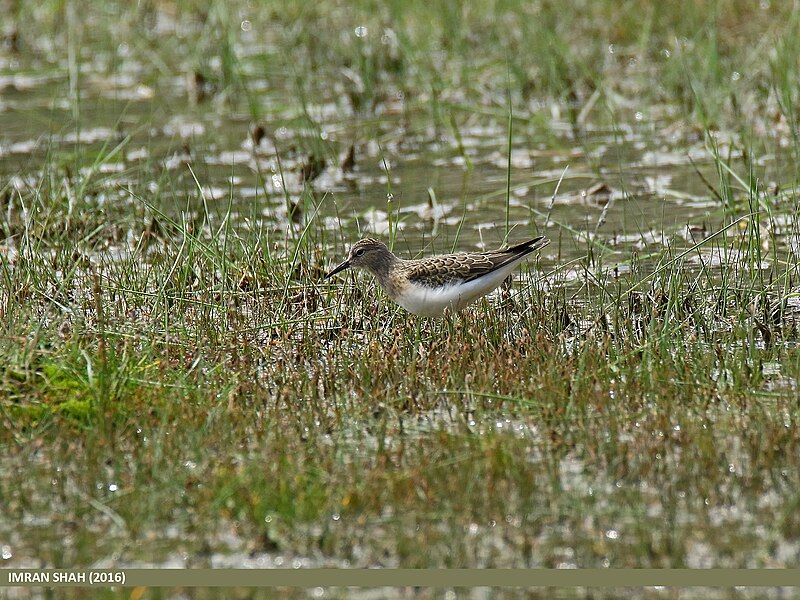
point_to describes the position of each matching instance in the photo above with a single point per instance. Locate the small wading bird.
(428, 286)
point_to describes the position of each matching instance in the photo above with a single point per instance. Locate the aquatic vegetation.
(177, 378)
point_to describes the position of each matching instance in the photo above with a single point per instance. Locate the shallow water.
(114, 133)
(633, 187)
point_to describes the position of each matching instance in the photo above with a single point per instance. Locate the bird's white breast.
(431, 302)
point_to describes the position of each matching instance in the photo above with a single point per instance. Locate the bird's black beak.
(339, 269)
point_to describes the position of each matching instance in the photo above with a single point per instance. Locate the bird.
(429, 286)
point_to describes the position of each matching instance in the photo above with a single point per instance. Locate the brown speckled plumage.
(465, 266)
(396, 275)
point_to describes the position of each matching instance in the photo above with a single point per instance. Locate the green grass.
(338, 427)
(177, 380)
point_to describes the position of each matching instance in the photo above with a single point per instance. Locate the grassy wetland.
(178, 387)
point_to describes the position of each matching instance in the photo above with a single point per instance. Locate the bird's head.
(369, 254)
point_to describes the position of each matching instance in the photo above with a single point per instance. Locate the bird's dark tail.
(529, 246)
(500, 258)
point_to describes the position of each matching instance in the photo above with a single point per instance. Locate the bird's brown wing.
(500, 258)
(448, 268)
(467, 266)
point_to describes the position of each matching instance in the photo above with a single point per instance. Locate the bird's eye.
(359, 252)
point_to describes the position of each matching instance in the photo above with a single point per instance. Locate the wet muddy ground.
(181, 389)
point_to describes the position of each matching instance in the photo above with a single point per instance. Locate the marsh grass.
(211, 380)
(179, 382)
